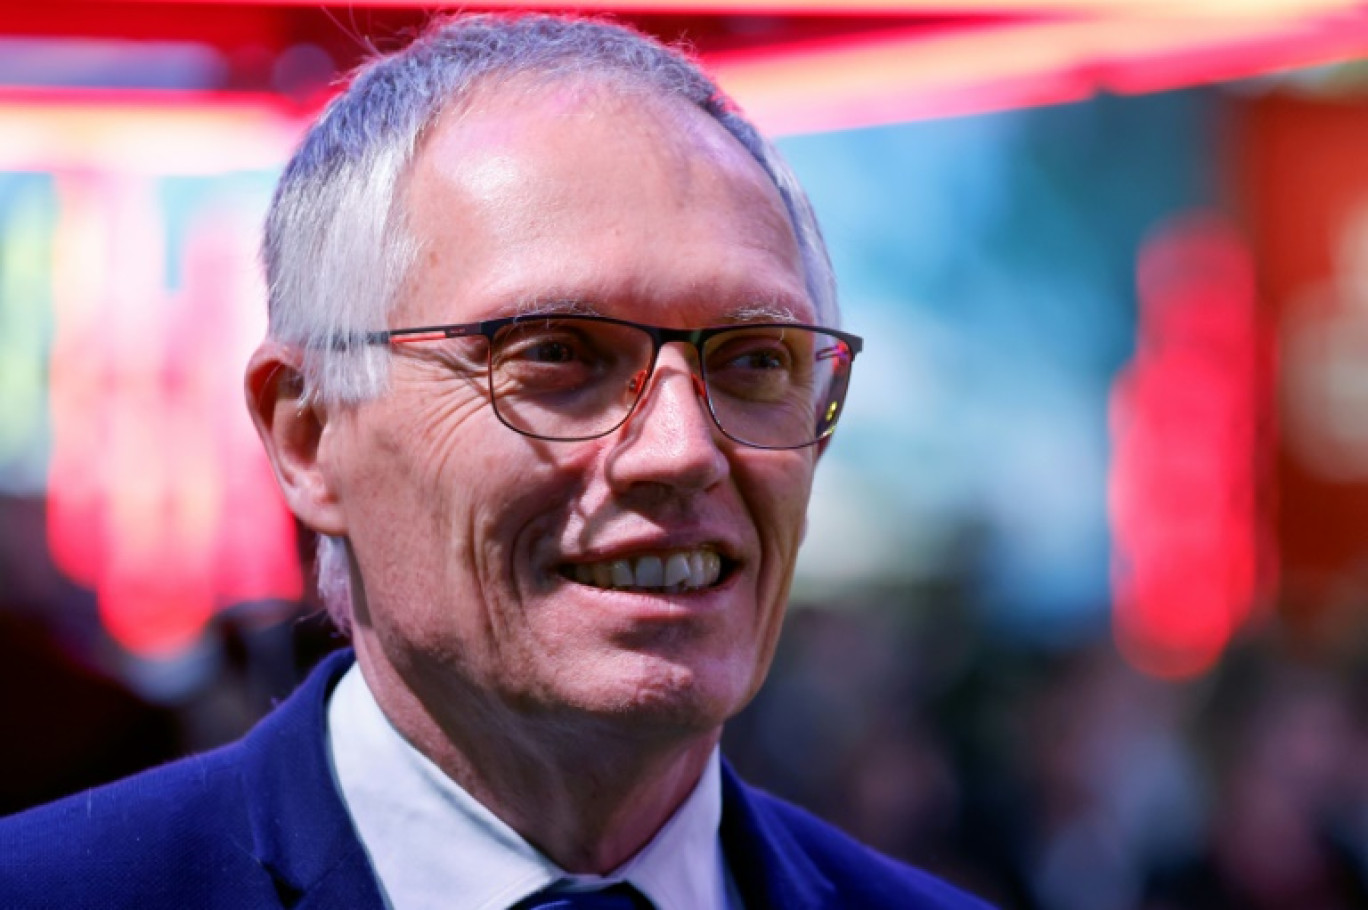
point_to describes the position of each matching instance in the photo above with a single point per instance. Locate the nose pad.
(668, 445)
(638, 387)
(638, 381)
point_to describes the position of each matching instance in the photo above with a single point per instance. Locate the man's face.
(480, 549)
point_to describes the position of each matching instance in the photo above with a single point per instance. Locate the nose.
(670, 441)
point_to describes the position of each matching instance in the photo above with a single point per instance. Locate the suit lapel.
(771, 870)
(301, 831)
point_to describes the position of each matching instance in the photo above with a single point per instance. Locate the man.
(550, 367)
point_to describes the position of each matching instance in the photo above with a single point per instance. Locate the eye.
(766, 358)
(549, 351)
(750, 352)
(549, 343)
(550, 357)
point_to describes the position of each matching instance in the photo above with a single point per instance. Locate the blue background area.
(185, 199)
(989, 263)
(28, 210)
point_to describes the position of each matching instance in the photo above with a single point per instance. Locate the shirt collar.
(432, 844)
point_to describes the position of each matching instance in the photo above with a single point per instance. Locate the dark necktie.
(621, 896)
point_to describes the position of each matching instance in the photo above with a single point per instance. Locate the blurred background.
(1082, 615)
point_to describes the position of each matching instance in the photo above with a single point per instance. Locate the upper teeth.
(680, 570)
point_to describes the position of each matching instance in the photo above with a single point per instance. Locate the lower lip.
(666, 604)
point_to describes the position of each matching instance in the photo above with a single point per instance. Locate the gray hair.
(336, 248)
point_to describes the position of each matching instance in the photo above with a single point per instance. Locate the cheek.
(489, 501)
(406, 507)
(776, 488)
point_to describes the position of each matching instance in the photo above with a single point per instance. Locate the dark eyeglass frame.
(660, 335)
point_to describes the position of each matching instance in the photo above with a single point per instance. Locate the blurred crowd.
(1044, 778)
(1060, 778)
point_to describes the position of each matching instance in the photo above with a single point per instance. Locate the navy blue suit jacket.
(260, 824)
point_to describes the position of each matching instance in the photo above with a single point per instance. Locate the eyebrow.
(762, 312)
(571, 306)
(556, 306)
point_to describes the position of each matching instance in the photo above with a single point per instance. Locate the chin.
(665, 694)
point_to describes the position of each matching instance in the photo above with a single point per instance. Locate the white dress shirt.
(432, 845)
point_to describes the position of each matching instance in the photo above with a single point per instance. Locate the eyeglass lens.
(576, 378)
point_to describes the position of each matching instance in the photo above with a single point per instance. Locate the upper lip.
(630, 547)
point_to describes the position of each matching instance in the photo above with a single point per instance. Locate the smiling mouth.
(670, 572)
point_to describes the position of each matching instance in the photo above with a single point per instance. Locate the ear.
(294, 432)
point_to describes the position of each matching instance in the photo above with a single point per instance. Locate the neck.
(586, 793)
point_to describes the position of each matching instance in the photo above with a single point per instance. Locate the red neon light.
(154, 133)
(966, 58)
(159, 497)
(1190, 556)
(890, 76)
(722, 7)
(1130, 8)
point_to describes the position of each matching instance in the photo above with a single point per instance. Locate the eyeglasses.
(569, 378)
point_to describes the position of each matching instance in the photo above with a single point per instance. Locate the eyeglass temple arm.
(844, 351)
(430, 333)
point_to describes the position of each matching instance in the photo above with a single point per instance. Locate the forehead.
(587, 190)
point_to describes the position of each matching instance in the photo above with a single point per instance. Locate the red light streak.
(948, 60)
(1191, 560)
(154, 133)
(159, 497)
(893, 76)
